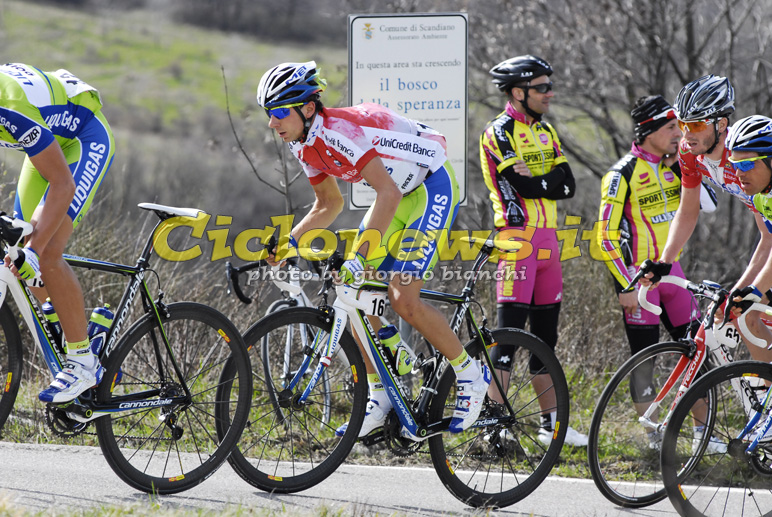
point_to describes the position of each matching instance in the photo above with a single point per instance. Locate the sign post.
(415, 65)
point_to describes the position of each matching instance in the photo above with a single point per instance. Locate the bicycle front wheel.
(291, 444)
(167, 448)
(623, 456)
(289, 360)
(11, 362)
(498, 465)
(725, 479)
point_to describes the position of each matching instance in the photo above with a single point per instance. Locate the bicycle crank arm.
(79, 412)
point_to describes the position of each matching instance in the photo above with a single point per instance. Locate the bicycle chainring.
(62, 425)
(399, 446)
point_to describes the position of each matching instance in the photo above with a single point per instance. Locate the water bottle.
(53, 319)
(400, 355)
(101, 321)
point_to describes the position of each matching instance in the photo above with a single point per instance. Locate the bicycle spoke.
(170, 447)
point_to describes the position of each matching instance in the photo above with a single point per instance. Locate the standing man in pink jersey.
(526, 172)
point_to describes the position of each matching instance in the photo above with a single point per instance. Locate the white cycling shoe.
(375, 417)
(469, 401)
(655, 440)
(715, 446)
(71, 382)
(573, 437)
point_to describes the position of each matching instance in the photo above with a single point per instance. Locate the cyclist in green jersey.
(750, 142)
(56, 120)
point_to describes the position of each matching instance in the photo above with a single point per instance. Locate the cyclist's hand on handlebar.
(273, 249)
(653, 271)
(352, 270)
(740, 300)
(26, 266)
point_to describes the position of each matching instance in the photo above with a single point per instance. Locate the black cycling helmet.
(518, 69)
(710, 96)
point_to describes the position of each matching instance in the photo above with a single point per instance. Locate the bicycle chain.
(399, 446)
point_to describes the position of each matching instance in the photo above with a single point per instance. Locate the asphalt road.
(40, 477)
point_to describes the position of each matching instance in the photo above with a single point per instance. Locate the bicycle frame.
(84, 409)
(704, 342)
(356, 303)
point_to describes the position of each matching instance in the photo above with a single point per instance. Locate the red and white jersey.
(341, 141)
(695, 168)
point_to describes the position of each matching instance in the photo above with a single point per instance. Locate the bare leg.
(404, 294)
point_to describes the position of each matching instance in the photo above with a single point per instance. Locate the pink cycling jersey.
(342, 141)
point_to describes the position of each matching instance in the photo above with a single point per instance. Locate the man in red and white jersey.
(405, 162)
(703, 108)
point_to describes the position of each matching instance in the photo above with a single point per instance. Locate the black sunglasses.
(541, 88)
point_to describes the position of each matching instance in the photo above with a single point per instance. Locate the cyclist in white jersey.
(703, 108)
(404, 161)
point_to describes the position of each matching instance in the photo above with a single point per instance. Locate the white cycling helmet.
(289, 83)
(752, 133)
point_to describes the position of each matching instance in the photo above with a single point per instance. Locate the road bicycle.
(498, 461)
(167, 412)
(625, 435)
(738, 481)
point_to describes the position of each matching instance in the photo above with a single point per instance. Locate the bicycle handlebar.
(710, 292)
(232, 273)
(342, 292)
(12, 232)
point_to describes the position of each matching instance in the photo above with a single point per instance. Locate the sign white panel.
(415, 65)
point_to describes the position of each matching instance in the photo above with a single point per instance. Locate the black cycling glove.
(748, 294)
(659, 269)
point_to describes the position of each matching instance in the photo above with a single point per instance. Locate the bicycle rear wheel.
(162, 448)
(499, 465)
(624, 460)
(295, 447)
(720, 483)
(11, 362)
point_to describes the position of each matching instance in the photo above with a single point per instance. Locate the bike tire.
(718, 484)
(623, 464)
(296, 449)
(500, 465)
(292, 356)
(142, 446)
(11, 362)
